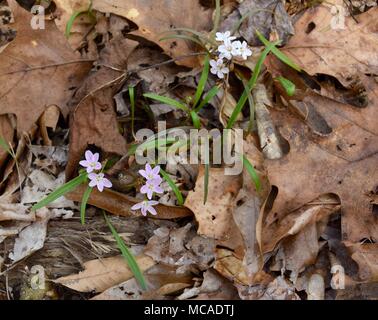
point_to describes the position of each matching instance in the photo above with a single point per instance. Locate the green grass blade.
(279, 54)
(251, 106)
(166, 100)
(252, 172)
(71, 21)
(202, 81)
(5, 146)
(183, 37)
(83, 205)
(251, 84)
(210, 95)
(69, 186)
(199, 35)
(195, 119)
(132, 103)
(133, 265)
(173, 186)
(206, 183)
(152, 144)
(287, 85)
(217, 17)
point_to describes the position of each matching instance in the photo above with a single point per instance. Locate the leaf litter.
(305, 206)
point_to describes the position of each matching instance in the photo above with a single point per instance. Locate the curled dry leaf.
(120, 204)
(148, 15)
(366, 256)
(44, 59)
(101, 274)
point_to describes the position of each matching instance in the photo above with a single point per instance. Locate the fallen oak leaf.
(148, 15)
(101, 274)
(215, 216)
(44, 59)
(93, 120)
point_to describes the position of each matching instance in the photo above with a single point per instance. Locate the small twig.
(48, 66)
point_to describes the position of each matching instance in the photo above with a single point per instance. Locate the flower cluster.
(227, 50)
(152, 185)
(96, 179)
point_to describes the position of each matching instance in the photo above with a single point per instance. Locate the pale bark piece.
(102, 274)
(154, 18)
(215, 216)
(37, 69)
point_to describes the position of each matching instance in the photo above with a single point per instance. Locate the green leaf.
(288, 85)
(199, 35)
(279, 54)
(251, 84)
(251, 106)
(195, 119)
(166, 100)
(132, 103)
(5, 146)
(69, 186)
(206, 183)
(217, 17)
(150, 144)
(183, 37)
(71, 21)
(173, 186)
(83, 204)
(252, 172)
(210, 95)
(202, 81)
(133, 265)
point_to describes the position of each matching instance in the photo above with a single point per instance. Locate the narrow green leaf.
(83, 205)
(252, 172)
(217, 17)
(199, 35)
(71, 21)
(288, 85)
(4, 145)
(150, 144)
(251, 84)
(183, 37)
(251, 106)
(195, 119)
(133, 265)
(173, 186)
(206, 183)
(132, 103)
(202, 81)
(166, 100)
(69, 186)
(279, 54)
(210, 95)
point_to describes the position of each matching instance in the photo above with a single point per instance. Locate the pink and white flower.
(98, 180)
(242, 50)
(224, 36)
(151, 174)
(228, 49)
(150, 187)
(146, 206)
(218, 68)
(91, 162)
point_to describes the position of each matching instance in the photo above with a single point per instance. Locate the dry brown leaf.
(366, 256)
(148, 15)
(312, 168)
(94, 119)
(6, 134)
(120, 204)
(101, 274)
(25, 85)
(215, 217)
